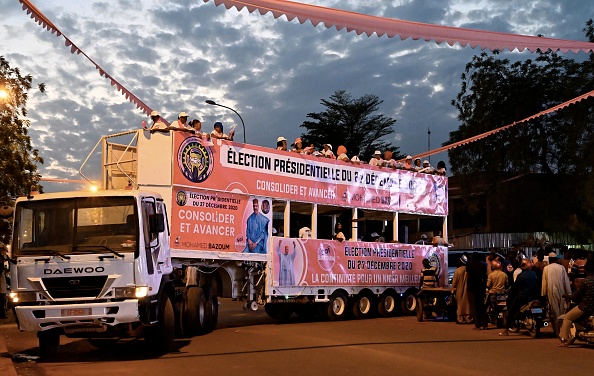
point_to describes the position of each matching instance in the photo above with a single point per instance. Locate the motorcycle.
(531, 318)
(496, 304)
(581, 329)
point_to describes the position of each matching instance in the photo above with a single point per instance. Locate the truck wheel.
(194, 312)
(336, 308)
(160, 336)
(387, 304)
(49, 342)
(363, 306)
(212, 309)
(409, 302)
(278, 311)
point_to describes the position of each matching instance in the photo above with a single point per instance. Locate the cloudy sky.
(174, 55)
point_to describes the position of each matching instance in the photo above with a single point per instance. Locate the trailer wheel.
(194, 312)
(160, 336)
(49, 342)
(409, 302)
(278, 311)
(336, 308)
(212, 309)
(363, 306)
(387, 304)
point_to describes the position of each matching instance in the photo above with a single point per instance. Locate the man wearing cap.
(327, 152)
(157, 125)
(377, 159)
(281, 143)
(423, 240)
(217, 132)
(408, 165)
(427, 169)
(181, 124)
(555, 283)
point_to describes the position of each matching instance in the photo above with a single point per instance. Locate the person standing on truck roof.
(377, 159)
(286, 274)
(342, 154)
(298, 146)
(158, 125)
(281, 143)
(217, 132)
(327, 152)
(256, 230)
(197, 126)
(181, 123)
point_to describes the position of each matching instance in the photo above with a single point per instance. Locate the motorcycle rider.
(521, 292)
(586, 306)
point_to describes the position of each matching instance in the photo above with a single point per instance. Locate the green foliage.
(18, 160)
(496, 92)
(351, 122)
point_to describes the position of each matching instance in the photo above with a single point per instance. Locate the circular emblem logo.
(326, 256)
(194, 160)
(181, 198)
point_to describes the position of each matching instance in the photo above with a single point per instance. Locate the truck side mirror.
(156, 223)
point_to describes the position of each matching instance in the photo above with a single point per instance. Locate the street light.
(213, 103)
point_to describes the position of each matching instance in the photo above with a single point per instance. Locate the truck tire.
(211, 316)
(409, 302)
(387, 304)
(194, 312)
(49, 342)
(336, 308)
(363, 306)
(161, 335)
(278, 311)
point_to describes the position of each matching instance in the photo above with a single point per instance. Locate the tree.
(352, 123)
(496, 92)
(18, 160)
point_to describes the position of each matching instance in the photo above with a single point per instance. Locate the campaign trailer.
(181, 221)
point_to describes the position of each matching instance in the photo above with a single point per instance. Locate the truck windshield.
(75, 225)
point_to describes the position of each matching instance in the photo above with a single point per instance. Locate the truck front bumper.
(44, 317)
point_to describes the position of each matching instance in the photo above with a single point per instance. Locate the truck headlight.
(21, 297)
(142, 291)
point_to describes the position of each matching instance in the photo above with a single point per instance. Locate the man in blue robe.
(256, 231)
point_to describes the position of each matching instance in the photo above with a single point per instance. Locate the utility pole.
(429, 142)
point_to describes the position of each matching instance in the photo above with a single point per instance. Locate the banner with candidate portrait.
(316, 262)
(220, 221)
(254, 170)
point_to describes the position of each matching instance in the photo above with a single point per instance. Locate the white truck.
(180, 221)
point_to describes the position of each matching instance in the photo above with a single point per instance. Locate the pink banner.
(314, 262)
(254, 170)
(220, 222)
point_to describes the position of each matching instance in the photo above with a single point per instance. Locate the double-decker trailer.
(181, 221)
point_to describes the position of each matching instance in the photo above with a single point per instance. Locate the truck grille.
(74, 287)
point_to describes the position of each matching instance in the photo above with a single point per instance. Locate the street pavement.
(250, 343)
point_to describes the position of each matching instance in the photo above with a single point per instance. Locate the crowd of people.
(555, 281)
(377, 160)
(193, 127)
(385, 161)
